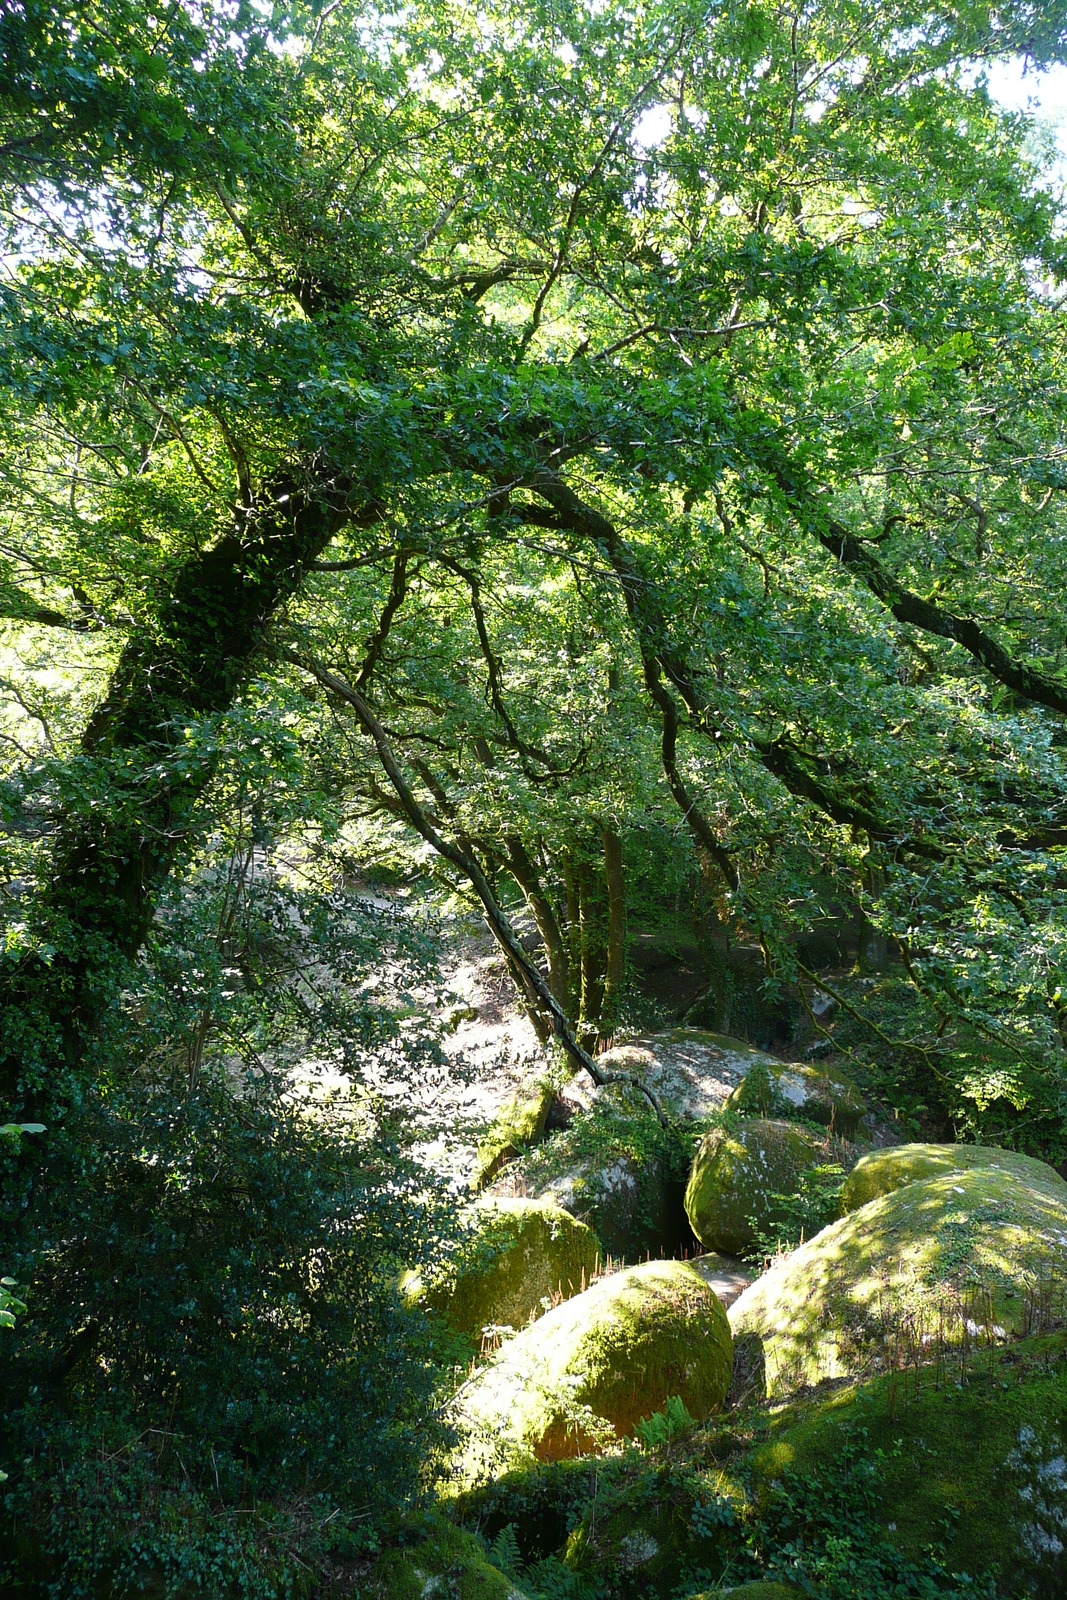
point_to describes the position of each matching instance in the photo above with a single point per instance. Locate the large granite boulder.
(615, 1169)
(971, 1256)
(520, 1259)
(882, 1171)
(691, 1070)
(739, 1173)
(783, 1089)
(587, 1372)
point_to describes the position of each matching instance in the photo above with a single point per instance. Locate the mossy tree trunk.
(144, 771)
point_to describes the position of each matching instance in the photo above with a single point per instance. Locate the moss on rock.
(760, 1589)
(616, 1169)
(519, 1124)
(779, 1089)
(882, 1171)
(738, 1172)
(979, 1466)
(586, 1373)
(448, 1564)
(524, 1255)
(939, 1260)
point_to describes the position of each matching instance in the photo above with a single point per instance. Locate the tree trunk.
(114, 849)
(525, 875)
(593, 929)
(616, 951)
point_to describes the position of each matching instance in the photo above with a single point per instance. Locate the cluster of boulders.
(935, 1248)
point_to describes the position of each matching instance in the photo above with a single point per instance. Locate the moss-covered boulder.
(739, 1171)
(615, 1169)
(780, 1089)
(447, 1564)
(975, 1461)
(521, 1258)
(760, 1589)
(646, 1539)
(970, 1256)
(587, 1372)
(519, 1124)
(882, 1171)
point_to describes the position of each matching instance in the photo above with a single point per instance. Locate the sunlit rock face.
(971, 1256)
(585, 1374)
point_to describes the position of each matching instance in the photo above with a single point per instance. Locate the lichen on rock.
(948, 1258)
(882, 1171)
(739, 1171)
(587, 1372)
(692, 1070)
(785, 1089)
(521, 1257)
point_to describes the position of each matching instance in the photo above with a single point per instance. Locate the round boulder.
(882, 1171)
(587, 1372)
(782, 1089)
(447, 1563)
(969, 1257)
(522, 1258)
(738, 1174)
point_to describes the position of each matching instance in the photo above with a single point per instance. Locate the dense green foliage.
(588, 453)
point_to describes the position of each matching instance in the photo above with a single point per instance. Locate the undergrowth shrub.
(215, 1383)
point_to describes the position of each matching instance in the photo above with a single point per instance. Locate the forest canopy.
(568, 450)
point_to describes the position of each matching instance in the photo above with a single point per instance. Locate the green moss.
(616, 1169)
(980, 1466)
(645, 1546)
(738, 1172)
(587, 1372)
(525, 1255)
(780, 1089)
(761, 1589)
(448, 1564)
(520, 1123)
(929, 1261)
(882, 1171)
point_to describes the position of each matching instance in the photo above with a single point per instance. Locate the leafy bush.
(797, 1216)
(213, 1341)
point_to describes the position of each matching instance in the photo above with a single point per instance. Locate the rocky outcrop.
(973, 1460)
(692, 1071)
(614, 1169)
(934, 1262)
(586, 1373)
(779, 1089)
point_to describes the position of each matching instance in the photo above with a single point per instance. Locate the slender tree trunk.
(526, 876)
(616, 953)
(593, 930)
(572, 934)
